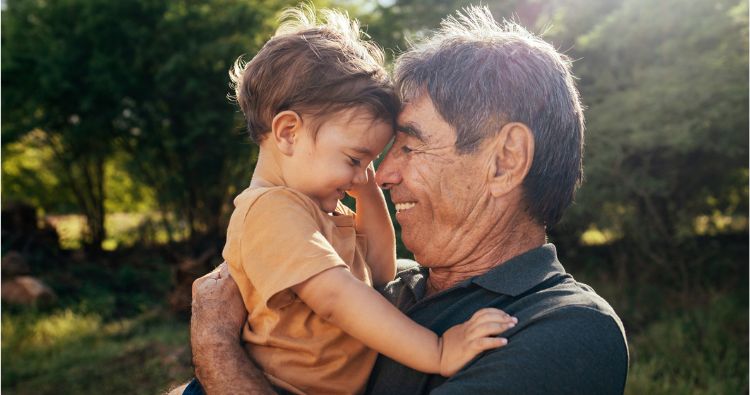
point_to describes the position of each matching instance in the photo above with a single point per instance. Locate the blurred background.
(121, 156)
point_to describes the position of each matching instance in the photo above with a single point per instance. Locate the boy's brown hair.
(313, 68)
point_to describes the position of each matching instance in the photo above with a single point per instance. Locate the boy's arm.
(373, 220)
(585, 349)
(362, 312)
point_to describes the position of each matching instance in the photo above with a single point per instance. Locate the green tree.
(667, 131)
(185, 137)
(394, 24)
(67, 65)
(146, 77)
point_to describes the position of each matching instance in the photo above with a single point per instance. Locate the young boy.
(320, 105)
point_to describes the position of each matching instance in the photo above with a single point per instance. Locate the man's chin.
(408, 241)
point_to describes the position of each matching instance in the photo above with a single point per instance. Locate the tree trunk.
(87, 183)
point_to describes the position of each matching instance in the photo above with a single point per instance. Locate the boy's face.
(337, 158)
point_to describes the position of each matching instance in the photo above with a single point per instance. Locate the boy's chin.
(330, 206)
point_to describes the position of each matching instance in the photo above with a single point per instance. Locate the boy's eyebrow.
(363, 151)
(411, 130)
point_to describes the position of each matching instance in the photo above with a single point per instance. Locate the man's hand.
(463, 342)
(217, 307)
(221, 364)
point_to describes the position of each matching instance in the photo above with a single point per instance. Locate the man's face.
(437, 192)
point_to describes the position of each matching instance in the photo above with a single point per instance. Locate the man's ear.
(286, 127)
(512, 152)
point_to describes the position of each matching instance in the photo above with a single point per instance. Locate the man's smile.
(404, 206)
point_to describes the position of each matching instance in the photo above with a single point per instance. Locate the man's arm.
(221, 364)
(574, 350)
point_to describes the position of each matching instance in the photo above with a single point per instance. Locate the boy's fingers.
(493, 316)
(487, 311)
(488, 343)
(490, 328)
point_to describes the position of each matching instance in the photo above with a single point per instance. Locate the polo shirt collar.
(415, 279)
(523, 272)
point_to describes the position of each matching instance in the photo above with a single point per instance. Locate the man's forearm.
(227, 369)
(221, 364)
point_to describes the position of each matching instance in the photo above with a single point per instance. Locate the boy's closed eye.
(355, 161)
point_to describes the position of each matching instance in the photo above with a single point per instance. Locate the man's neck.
(519, 235)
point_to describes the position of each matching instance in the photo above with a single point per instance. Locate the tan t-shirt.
(278, 238)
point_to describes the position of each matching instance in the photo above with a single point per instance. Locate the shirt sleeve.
(574, 350)
(282, 245)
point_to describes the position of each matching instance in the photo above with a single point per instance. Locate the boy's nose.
(361, 177)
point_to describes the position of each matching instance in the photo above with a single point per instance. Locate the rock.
(26, 290)
(14, 264)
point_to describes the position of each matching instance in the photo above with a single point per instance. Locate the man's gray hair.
(481, 75)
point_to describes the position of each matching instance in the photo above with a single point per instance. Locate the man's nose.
(388, 173)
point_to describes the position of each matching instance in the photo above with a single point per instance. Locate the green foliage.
(142, 84)
(699, 351)
(666, 85)
(183, 134)
(139, 284)
(27, 176)
(394, 25)
(66, 352)
(68, 80)
(110, 331)
(681, 342)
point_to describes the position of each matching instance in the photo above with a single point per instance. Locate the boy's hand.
(369, 187)
(463, 342)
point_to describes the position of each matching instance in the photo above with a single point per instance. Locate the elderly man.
(487, 156)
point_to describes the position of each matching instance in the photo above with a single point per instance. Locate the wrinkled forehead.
(420, 119)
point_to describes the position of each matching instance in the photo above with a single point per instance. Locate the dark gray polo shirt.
(568, 340)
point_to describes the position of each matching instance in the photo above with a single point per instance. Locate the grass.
(699, 351)
(682, 341)
(64, 352)
(109, 333)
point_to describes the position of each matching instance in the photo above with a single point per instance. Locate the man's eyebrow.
(411, 130)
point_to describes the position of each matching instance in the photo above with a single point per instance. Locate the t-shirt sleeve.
(572, 351)
(282, 245)
(344, 209)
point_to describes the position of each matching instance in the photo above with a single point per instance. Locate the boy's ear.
(512, 152)
(286, 127)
